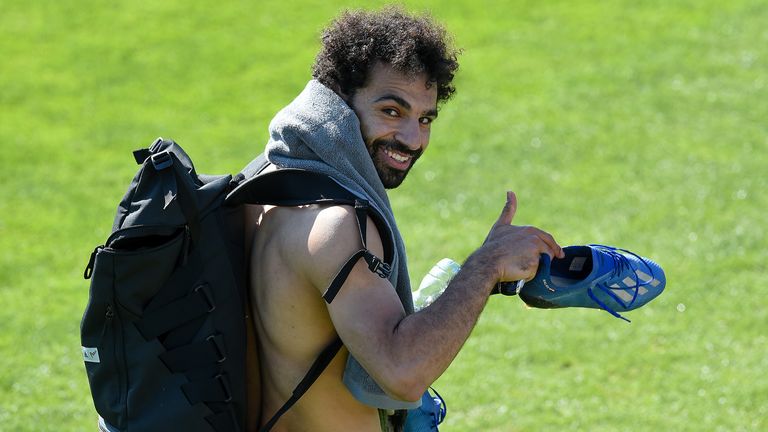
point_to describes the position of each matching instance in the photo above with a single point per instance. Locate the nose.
(412, 135)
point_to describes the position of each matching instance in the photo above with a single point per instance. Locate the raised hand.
(515, 250)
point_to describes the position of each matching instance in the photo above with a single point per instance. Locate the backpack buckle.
(381, 268)
(161, 160)
(376, 265)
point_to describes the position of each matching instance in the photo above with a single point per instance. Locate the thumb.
(510, 208)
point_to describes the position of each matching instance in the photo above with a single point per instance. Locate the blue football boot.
(594, 276)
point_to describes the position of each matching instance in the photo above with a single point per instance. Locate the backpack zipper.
(119, 358)
(89, 267)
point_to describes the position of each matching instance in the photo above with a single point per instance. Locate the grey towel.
(319, 132)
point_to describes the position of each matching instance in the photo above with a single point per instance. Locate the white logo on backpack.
(91, 355)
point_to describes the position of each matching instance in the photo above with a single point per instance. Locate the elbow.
(405, 386)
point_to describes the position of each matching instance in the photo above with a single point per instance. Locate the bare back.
(293, 325)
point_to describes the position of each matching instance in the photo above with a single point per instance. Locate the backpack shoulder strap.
(289, 187)
(321, 362)
(294, 187)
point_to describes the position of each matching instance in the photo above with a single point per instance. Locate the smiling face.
(396, 112)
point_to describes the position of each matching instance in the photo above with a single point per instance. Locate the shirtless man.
(298, 251)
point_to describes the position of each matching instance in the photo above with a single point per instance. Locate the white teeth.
(397, 157)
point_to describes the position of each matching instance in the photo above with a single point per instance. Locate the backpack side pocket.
(100, 336)
(126, 274)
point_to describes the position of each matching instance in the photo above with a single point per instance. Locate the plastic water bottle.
(435, 282)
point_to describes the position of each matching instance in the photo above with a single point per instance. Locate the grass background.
(640, 124)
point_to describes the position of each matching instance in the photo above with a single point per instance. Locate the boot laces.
(620, 264)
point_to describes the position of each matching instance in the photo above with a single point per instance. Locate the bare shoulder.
(313, 241)
(335, 235)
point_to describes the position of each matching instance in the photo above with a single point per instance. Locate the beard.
(389, 176)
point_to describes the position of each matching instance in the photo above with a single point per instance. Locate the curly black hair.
(412, 44)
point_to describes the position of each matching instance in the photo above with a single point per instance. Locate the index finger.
(554, 247)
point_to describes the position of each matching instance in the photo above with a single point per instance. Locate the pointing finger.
(554, 249)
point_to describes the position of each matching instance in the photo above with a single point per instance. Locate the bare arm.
(394, 348)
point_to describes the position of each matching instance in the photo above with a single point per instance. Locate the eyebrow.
(402, 102)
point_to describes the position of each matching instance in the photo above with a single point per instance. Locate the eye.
(426, 120)
(390, 112)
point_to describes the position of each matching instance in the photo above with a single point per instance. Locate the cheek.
(365, 129)
(370, 130)
(366, 134)
(425, 139)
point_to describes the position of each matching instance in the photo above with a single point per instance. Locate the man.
(365, 120)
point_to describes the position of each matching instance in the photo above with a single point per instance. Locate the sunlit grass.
(635, 124)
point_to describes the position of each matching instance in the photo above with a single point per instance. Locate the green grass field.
(640, 124)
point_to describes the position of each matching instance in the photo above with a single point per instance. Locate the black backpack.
(166, 335)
